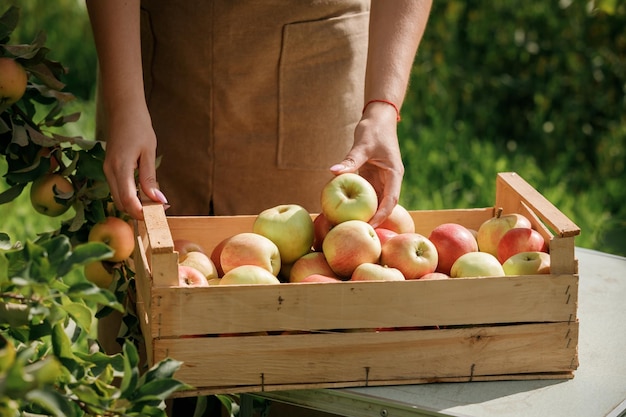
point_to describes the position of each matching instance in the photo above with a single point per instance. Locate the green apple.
(350, 244)
(412, 253)
(527, 263)
(348, 197)
(476, 264)
(290, 227)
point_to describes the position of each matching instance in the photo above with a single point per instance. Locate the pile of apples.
(287, 244)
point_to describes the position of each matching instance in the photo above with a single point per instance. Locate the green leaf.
(85, 253)
(131, 372)
(81, 314)
(12, 193)
(157, 390)
(164, 369)
(8, 21)
(91, 293)
(51, 401)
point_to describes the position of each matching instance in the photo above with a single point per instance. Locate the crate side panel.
(426, 220)
(373, 357)
(348, 305)
(208, 231)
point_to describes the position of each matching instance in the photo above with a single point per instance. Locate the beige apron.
(252, 101)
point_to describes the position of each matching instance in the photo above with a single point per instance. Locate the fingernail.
(338, 167)
(160, 196)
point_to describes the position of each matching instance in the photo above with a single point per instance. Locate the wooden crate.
(492, 328)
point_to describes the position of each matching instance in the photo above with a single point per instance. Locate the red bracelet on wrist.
(392, 104)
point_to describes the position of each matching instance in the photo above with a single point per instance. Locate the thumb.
(149, 185)
(347, 165)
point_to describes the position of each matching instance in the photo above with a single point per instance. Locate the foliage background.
(528, 86)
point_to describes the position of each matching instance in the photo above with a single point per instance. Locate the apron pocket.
(320, 90)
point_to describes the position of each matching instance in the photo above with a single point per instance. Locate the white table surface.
(597, 389)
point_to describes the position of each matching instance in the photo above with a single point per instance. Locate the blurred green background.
(528, 86)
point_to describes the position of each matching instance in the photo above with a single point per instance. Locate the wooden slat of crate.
(211, 310)
(256, 363)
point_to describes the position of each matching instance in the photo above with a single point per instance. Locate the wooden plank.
(323, 306)
(426, 220)
(371, 358)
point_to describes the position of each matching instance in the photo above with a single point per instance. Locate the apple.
(376, 272)
(248, 274)
(384, 234)
(216, 254)
(348, 196)
(350, 244)
(100, 273)
(116, 233)
(451, 240)
(201, 262)
(184, 246)
(400, 221)
(13, 81)
(520, 239)
(290, 227)
(527, 263)
(491, 230)
(190, 277)
(43, 191)
(476, 264)
(319, 278)
(412, 253)
(434, 275)
(249, 248)
(321, 226)
(309, 264)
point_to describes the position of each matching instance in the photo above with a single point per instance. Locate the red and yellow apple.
(190, 277)
(412, 253)
(309, 264)
(100, 273)
(319, 278)
(248, 274)
(349, 244)
(249, 248)
(184, 246)
(321, 227)
(491, 230)
(376, 272)
(434, 276)
(290, 227)
(348, 196)
(384, 234)
(527, 263)
(476, 264)
(45, 188)
(400, 221)
(451, 240)
(201, 262)
(13, 81)
(116, 233)
(520, 239)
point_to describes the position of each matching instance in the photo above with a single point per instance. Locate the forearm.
(396, 30)
(115, 26)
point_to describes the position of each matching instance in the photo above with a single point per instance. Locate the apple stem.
(499, 211)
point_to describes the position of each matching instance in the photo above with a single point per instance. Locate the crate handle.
(512, 191)
(159, 245)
